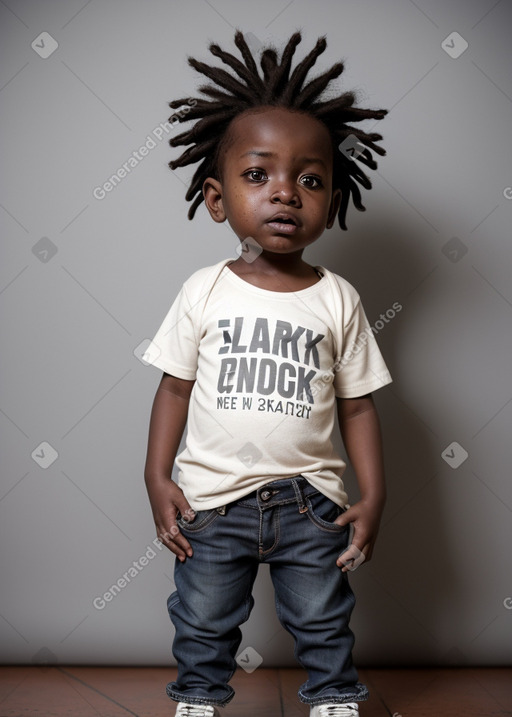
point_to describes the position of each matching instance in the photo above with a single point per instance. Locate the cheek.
(242, 211)
(318, 212)
(245, 206)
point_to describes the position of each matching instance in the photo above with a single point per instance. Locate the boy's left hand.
(365, 519)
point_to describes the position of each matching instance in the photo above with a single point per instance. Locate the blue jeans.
(287, 523)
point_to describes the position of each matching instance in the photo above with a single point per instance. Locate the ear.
(334, 208)
(212, 192)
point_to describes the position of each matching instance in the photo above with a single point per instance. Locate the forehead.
(281, 130)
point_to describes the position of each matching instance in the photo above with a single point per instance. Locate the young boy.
(258, 353)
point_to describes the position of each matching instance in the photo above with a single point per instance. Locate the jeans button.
(265, 495)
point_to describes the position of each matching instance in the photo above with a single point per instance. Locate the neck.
(269, 262)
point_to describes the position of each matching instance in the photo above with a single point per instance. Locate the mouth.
(283, 223)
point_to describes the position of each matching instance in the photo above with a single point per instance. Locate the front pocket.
(322, 511)
(203, 519)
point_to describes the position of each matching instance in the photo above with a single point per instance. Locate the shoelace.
(339, 710)
(196, 711)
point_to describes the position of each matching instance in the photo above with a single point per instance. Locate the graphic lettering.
(252, 365)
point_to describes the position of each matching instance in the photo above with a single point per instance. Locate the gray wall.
(85, 281)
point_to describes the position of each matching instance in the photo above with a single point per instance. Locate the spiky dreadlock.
(276, 88)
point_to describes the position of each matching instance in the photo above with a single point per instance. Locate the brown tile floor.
(118, 692)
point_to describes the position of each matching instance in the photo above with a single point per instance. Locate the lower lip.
(283, 228)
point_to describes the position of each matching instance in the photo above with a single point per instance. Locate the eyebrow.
(260, 153)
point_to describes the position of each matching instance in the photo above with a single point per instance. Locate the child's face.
(276, 161)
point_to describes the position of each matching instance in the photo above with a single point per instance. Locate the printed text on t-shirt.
(261, 374)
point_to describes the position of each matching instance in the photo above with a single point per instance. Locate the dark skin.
(276, 160)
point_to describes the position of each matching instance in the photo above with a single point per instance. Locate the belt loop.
(303, 508)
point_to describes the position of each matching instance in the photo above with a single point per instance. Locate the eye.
(252, 172)
(311, 182)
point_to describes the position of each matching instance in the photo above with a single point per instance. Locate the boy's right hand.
(167, 501)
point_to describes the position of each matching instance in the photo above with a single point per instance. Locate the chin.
(280, 249)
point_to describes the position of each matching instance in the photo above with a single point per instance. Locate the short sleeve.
(174, 348)
(360, 368)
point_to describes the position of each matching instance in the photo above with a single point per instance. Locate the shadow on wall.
(405, 595)
(412, 601)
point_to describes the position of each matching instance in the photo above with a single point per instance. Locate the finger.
(184, 545)
(187, 513)
(359, 536)
(167, 538)
(364, 554)
(179, 538)
(176, 542)
(351, 558)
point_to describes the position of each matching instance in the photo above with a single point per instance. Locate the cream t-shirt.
(267, 367)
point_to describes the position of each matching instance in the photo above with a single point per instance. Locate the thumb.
(187, 513)
(346, 517)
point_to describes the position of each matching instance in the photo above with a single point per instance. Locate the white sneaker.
(345, 709)
(185, 709)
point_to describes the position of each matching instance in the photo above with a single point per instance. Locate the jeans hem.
(178, 696)
(357, 693)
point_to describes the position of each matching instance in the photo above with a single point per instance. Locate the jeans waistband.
(280, 492)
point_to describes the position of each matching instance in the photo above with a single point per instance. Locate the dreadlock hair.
(231, 96)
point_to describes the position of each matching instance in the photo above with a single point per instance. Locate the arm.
(167, 423)
(360, 430)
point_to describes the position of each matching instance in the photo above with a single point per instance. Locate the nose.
(285, 191)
